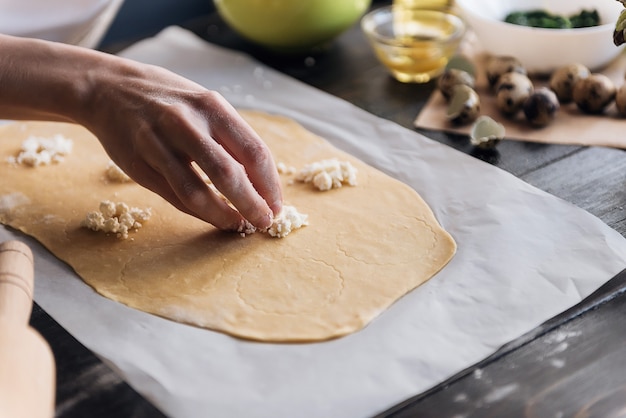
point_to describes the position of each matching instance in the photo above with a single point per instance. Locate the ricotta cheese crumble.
(116, 218)
(328, 174)
(288, 220)
(36, 151)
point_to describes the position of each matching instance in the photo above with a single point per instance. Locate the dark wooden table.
(522, 378)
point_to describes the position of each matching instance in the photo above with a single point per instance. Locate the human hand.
(153, 123)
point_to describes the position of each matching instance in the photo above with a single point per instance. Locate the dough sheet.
(365, 246)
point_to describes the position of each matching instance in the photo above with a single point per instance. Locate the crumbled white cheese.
(116, 218)
(289, 219)
(323, 181)
(285, 169)
(246, 228)
(328, 174)
(116, 174)
(36, 151)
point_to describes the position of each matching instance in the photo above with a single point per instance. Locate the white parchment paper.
(523, 256)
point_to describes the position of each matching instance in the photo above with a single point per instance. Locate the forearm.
(44, 80)
(152, 122)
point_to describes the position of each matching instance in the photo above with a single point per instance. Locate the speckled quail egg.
(594, 93)
(541, 107)
(486, 133)
(512, 90)
(498, 65)
(563, 80)
(450, 78)
(464, 105)
(620, 100)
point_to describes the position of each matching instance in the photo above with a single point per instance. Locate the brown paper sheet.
(570, 126)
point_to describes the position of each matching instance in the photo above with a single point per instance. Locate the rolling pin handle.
(16, 281)
(27, 375)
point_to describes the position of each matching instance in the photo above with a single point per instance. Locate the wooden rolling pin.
(27, 370)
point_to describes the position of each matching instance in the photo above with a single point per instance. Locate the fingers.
(184, 126)
(231, 179)
(180, 185)
(245, 145)
(213, 134)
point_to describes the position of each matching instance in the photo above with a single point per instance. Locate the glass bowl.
(414, 44)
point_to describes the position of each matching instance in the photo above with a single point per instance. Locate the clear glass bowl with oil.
(415, 44)
(426, 4)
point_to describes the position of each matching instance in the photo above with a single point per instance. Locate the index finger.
(228, 128)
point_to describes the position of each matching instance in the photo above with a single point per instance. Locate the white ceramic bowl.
(544, 50)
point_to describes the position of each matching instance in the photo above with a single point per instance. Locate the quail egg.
(541, 107)
(563, 80)
(450, 78)
(486, 133)
(464, 106)
(512, 90)
(594, 93)
(498, 65)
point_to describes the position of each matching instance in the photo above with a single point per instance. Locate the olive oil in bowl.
(425, 4)
(414, 44)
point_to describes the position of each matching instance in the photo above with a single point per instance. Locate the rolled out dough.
(365, 246)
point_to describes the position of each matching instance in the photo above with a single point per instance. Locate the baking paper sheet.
(523, 256)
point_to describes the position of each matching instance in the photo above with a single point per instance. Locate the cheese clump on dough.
(116, 218)
(284, 169)
(36, 151)
(328, 174)
(289, 219)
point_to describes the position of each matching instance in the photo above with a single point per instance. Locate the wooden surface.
(572, 366)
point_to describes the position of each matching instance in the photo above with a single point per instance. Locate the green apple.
(291, 25)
